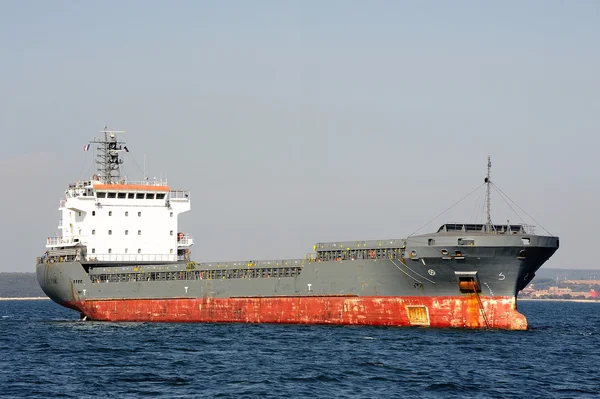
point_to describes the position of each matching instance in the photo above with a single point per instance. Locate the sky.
(301, 122)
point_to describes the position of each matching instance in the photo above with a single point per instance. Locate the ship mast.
(488, 182)
(108, 164)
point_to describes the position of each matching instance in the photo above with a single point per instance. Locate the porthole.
(522, 253)
(444, 252)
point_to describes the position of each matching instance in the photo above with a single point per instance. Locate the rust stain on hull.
(452, 311)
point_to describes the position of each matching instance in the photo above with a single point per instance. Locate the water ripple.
(45, 352)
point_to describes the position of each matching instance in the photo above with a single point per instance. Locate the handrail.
(63, 240)
(180, 194)
(185, 240)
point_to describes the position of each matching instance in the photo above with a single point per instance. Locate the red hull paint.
(460, 312)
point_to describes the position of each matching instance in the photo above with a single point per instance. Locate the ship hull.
(467, 311)
(477, 289)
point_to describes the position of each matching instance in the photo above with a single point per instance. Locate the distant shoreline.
(560, 300)
(36, 298)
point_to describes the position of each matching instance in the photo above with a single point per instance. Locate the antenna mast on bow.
(488, 182)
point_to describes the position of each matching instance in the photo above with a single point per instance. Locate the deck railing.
(185, 241)
(180, 194)
(63, 241)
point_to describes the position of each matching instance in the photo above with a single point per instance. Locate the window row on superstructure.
(139, 232)
(110, 213)
(125, 195)
(139, 251)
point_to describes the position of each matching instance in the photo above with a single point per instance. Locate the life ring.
(371, 254)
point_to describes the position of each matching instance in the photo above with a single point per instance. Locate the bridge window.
(171, 215)
(131, 195)
(109, 232)
(126, 213)
(93, 213)
(110, 250)
(139, 250)
(139, 196)
(101, 195)
(126, 232)
(160, 196)
(431, 241)
(93, 250)
(125, 250)
(149, 196)
(109, 213)
(171, 232)
(112, 195)
(139, 232)
(122, 195)
(93, 232)
(139, 213)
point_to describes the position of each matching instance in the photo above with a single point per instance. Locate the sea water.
(45, 352)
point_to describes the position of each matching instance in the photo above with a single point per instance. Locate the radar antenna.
(108, 164)
(488, 182)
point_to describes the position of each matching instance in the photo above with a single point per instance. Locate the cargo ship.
(120, 257)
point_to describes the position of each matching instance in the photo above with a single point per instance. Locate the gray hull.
(492, 271)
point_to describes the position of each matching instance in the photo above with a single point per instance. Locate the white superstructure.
(108, 218)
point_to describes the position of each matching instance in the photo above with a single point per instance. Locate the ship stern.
(56, 280)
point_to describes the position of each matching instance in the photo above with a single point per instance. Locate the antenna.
(108, 163)
(488, 182)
